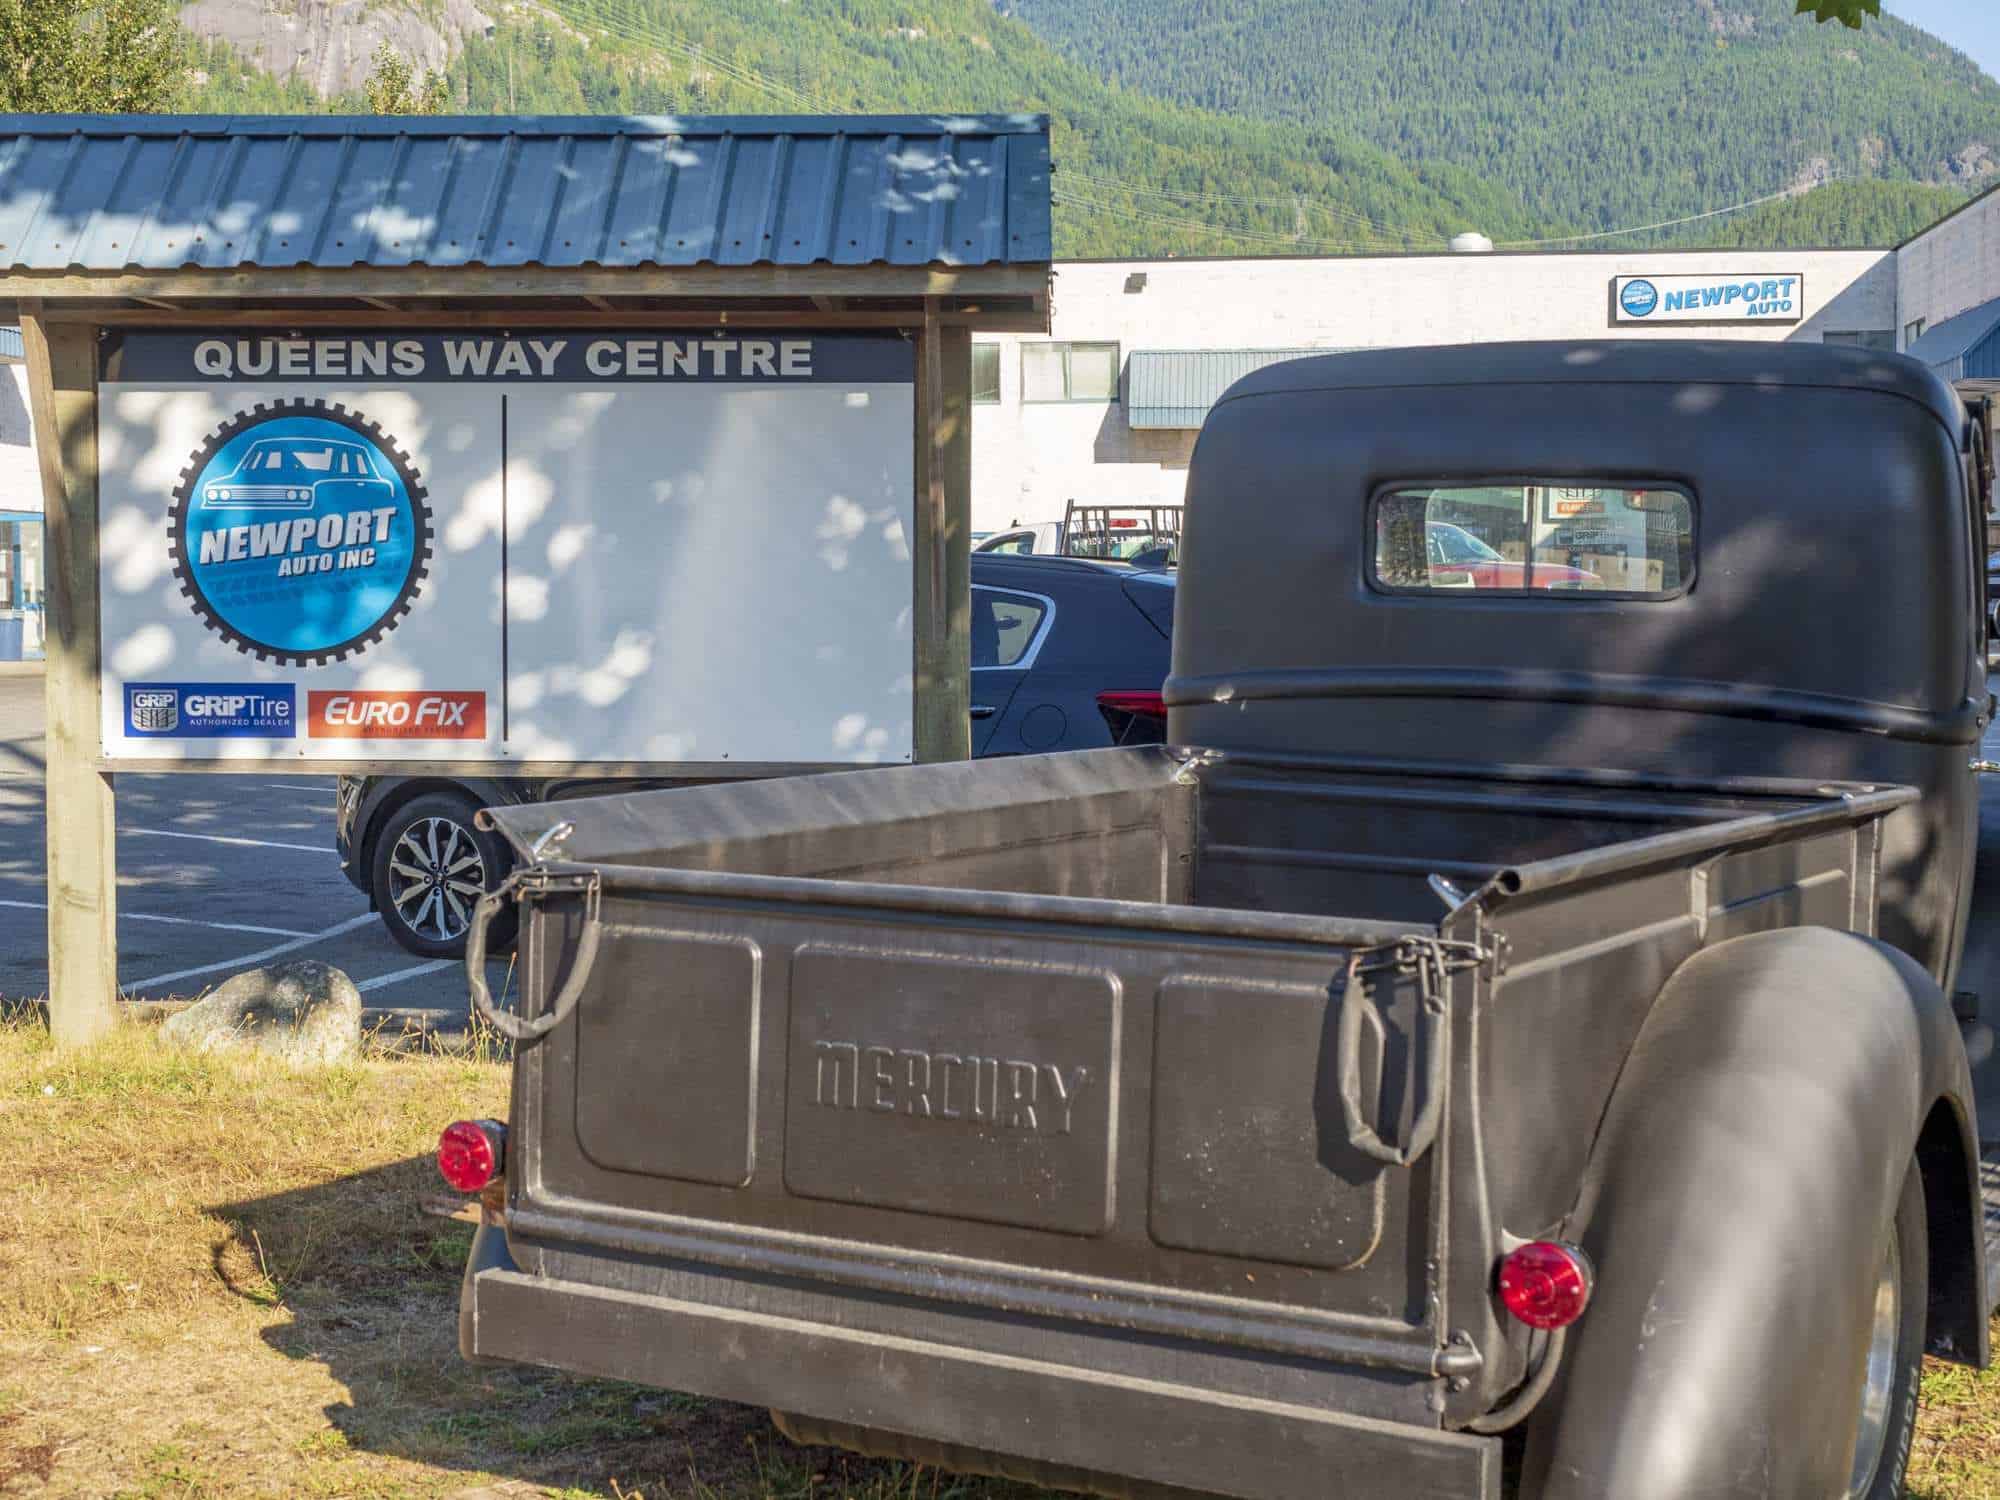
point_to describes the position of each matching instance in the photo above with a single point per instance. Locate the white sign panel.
(1759, 298)
(554, 547)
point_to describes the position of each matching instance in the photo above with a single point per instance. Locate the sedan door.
(1008, 628)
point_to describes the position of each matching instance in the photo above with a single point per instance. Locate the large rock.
(304, 1012)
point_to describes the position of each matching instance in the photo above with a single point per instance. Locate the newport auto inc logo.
(365, 714)
(1639, 298)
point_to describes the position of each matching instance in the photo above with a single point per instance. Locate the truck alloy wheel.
(430, 866)
(1895, 1352)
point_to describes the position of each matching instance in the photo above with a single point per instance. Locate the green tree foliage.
(1135, 175)
(1603, 113)
(1847, 12)
(394, 87)
(1263, 154)
(1841, 215)
(116, 57)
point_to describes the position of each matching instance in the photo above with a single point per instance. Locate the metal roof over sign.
(117, 192)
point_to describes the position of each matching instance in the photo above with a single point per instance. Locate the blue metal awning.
(108, 193)
(1174, 388)
(1964, 347)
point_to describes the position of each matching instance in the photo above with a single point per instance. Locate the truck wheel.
(1895, 1352)
(429, 867)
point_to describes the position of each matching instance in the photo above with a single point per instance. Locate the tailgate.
(1114, 1114)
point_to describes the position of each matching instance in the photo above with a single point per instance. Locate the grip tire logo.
(300, 532)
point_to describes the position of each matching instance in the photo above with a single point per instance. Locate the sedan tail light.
(1135, 717)
(472, 1153)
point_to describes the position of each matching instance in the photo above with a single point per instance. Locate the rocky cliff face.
(330, 42)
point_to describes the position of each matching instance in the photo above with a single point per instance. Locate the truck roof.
(1668, 361)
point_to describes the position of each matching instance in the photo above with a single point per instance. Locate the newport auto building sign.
(558, 547)
(1768, 297)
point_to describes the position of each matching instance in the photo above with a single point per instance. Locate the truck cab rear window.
(1556, 540)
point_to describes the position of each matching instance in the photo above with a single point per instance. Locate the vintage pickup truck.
(1533, 1013)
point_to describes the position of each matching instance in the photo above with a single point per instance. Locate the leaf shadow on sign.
(709, 572)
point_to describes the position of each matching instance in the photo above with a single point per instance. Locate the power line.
(1074, 199)
(1102, 184)
(1607, 234)
(1287, 204)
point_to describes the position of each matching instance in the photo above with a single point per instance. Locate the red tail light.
(1134, 718)
(1546, 1284)
(471, 1153)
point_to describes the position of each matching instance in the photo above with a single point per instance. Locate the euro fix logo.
(366, 714)
(299, 532)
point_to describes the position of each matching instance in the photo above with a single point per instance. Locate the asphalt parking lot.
(216, 874)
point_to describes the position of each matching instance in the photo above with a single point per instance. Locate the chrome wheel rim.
(1879, 1380)
(436, 873)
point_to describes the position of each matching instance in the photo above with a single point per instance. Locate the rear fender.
(1748, 1166)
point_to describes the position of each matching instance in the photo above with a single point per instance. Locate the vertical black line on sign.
(503, 568)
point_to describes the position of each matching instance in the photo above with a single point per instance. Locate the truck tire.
(429, 865)
(1895, 1352)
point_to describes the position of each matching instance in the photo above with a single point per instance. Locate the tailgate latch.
(1430, 962)
(535, 880)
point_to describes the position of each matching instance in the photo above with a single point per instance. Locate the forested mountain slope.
(1132, 168)
(1600, 112)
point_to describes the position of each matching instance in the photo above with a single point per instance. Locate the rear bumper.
(1153, 1431)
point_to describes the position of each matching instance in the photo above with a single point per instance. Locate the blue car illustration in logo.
(297, 473)
(300, 532)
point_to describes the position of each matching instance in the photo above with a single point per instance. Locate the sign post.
(81, 828)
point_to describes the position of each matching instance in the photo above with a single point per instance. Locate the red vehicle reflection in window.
(1458, 559)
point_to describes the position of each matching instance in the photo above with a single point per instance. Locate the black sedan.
(1993, 593)
(1067, 654)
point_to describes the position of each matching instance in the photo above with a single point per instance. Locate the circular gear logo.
(300, 532)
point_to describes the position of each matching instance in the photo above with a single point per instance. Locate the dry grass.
(1957, 1452)
(215, 1281)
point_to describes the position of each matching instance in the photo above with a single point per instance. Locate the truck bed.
(1033, 1073)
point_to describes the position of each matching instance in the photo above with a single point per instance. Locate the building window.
(1871, 338)
(1912, 332)
(985, 374)
(1069, 372)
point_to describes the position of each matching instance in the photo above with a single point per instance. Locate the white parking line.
(382, 980)
(252, 958)
(217, 838)
(140, 916)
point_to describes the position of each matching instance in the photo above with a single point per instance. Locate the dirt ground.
(216, 1280)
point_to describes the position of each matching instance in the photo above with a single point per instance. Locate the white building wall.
(1029, 460)
(1952, 267)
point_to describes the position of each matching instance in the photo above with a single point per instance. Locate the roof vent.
(1471, 243)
